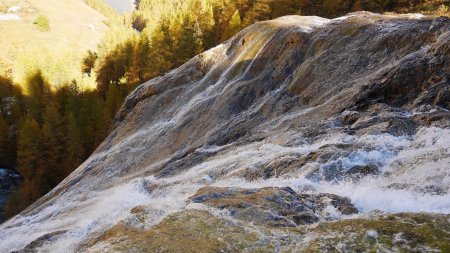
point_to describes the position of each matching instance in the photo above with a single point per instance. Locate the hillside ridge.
(74, 28)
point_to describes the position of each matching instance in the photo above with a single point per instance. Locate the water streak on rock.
(351, 114)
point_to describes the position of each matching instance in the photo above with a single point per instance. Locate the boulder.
(281, 207)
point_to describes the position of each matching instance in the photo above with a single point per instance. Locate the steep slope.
(267, 142)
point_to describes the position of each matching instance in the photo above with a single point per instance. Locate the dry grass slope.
(74, 27)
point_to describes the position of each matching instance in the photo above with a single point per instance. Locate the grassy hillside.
(73, 28)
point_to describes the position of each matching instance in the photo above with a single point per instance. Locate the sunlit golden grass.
(71, 34)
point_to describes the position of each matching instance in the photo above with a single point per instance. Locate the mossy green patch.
(401, 232)
(186, 231)
(201, 231)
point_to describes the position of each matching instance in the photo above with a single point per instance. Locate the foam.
(368, 197)
(411, 165)
(100, 211)
(414, 161)
(425, 156)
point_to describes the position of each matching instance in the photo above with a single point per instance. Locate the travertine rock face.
(281, 207)
(265, 143)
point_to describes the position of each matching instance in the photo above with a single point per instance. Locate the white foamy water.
(414, 170)
(412, 166)
(89, 218)
(410, 160)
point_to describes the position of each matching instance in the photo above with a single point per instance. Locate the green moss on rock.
(404, 232)
(201, 231)
(186, 231)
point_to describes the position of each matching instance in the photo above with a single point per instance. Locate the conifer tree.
(113, 102)
(190, 43)
(30, 191)
(134, 64)
(223, 12)
(260, 11)
(74, 146)
(202, 13)
(52, 148)
(234, 26)
(29, 148)
(93, 122)
(111, 70)
(144, 59)
(72, 103)
(88, 62)
(5, 150)
(280, 8)
(162, 47)
(13, 205)
(38, 90)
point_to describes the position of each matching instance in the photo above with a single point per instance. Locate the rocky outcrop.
(200, 231)
(267, 142)
(275, 206)
(400, 232)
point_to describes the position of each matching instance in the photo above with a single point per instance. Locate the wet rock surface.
(279, 207)
(261, 142)
(200, 231)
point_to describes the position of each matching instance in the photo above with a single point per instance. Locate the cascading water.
(301, 102)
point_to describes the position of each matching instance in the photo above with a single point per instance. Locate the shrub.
(42, 23)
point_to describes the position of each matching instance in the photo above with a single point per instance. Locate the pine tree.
(52, 149)
(284, 7)
(144, 59)
(244, 7)
(190, 43)
(13, 205)
(29, 148)
(30, 191)
(113, 102)
(11, 102)
(17, 110)
(74, 146)
(93, 122)
(134, 66)
(38, 90)
(223, 12)
(88, 62)
(111, 69)
(73, 102)
(162, 47)
(331, 6)
(203, 15)
(138, 21)
(234, 26)
(260, 11)
(86, 121)
(5, 149)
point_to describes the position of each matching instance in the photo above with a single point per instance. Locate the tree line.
(45, 133)
(47, 128)
(162, 34)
